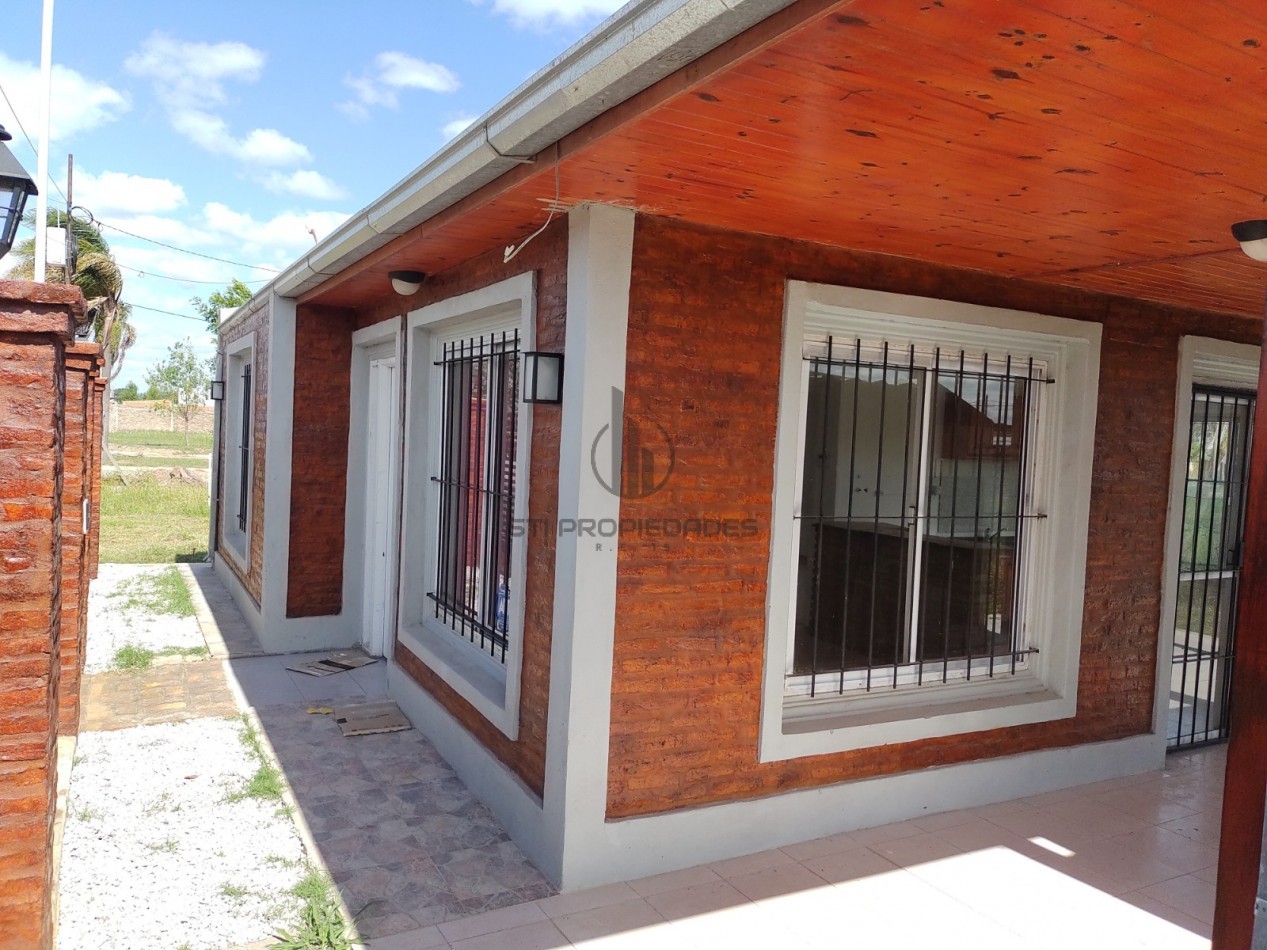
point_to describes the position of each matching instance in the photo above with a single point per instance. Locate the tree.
(95, 272)
(234, 295)
(182, 380)
(127, 393)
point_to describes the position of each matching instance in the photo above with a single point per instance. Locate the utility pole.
(69, 270)
(41, 175)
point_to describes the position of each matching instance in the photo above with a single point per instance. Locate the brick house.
(896, 339)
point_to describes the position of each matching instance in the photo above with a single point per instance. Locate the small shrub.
(321, 923)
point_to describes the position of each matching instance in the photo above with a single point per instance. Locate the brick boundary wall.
(704, 345)
(96, 422)
(82, 366)
(145, 416)
(35, 327)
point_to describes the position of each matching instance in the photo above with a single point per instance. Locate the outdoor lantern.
(1252, 236)
(406, 282)
(217, 390)
(543, 377)
(15, 187)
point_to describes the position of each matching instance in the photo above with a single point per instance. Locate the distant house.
(889, 333)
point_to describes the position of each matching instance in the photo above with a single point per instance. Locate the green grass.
(156, 461)
(321, 924)
(153, 520)
(132, 657)
(198, 441)
(266, 782)
(164, 592)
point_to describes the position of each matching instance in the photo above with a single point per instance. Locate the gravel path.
(156, 856)
(112, 624)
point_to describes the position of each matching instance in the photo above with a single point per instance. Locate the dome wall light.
(406, 282)
(1252, 236)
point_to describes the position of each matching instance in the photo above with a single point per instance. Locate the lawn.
(153, 519)
(199, 442)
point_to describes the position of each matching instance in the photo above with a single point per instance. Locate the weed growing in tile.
(266, 782)
(167, 845)
(230, 890)
(132, 657)
(89, 814)
(184, 651)
(321, 923)
(278, 861)
(163, 592)
(161, 804)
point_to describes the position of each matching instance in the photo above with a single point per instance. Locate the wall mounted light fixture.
(543, 377)
(217, 390)
(15, 187)
(1252, 236)
(406, 282)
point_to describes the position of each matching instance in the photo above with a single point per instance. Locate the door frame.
(1202, 360)
(382, 340)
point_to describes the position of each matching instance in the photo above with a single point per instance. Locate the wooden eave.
(1104, 146)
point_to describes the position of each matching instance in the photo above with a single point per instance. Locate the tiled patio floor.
(1127, 863)
(406, 843)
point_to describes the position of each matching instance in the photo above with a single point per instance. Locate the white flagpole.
(41, 175)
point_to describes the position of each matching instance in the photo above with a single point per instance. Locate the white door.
(381, 465)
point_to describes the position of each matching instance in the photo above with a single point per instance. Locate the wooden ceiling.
(1105, 145)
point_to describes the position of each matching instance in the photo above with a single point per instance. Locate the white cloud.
(79, 103)
(189, 80)
(305, 184)
(270, 147)
(550, 13)
(390, 72)
(192, 75)
(285, 234)
(134, 194)
(453, 129)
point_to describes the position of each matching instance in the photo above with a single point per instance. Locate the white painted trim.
(600, 853)
(600, 267)
(389, 333)
(237, 540)
(488, 685)
(1216, 363)
(1055, 561)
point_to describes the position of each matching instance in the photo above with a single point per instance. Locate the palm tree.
(95, 272)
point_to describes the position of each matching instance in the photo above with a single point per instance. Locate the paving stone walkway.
(169, 692)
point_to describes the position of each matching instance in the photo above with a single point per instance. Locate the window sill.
(476, 678)
(841, 724)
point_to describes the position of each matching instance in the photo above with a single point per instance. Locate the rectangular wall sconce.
(543, 377)
(217, 390)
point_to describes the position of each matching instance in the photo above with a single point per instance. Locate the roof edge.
(643, 42)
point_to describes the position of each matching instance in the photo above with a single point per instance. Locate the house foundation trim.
(604, 852)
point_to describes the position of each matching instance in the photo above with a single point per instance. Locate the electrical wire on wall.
(555, 207)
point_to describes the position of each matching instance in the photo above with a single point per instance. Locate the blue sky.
(232, 128)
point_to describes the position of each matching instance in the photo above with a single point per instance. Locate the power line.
(170, 313)
(51, 180)
(183, 280)
(182, 250)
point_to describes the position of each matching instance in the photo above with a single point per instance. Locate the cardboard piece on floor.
(338, 662)
(366, 719)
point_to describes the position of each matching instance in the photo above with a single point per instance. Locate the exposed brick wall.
(319, 460)
(251, 574)
(97, 431)
(35, 325)
(704, 342)
(81, 370)
(547, 257)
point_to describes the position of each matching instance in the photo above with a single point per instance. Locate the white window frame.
(487, 683)
(238, 354)
(1054, 563)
